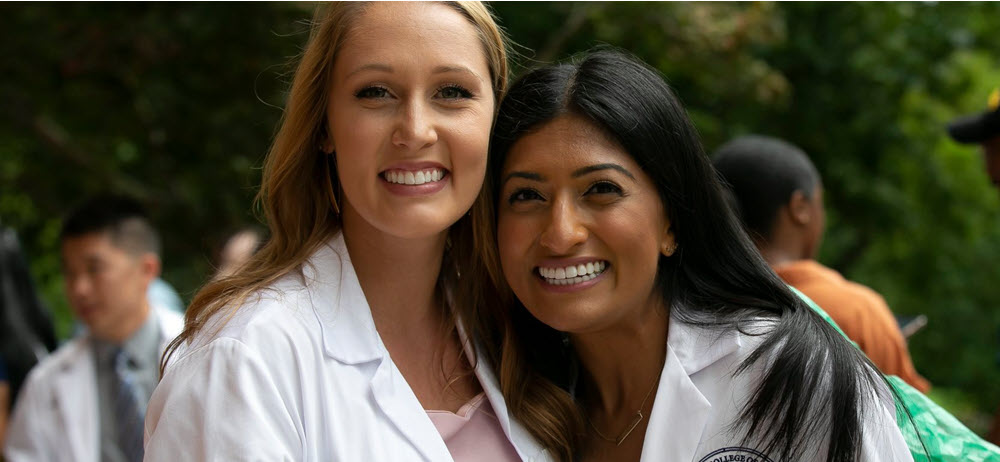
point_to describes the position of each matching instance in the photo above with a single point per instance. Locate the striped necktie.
(127, 411)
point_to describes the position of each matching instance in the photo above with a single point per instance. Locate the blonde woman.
(338, 341)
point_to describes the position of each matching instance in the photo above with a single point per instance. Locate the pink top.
(474, 433)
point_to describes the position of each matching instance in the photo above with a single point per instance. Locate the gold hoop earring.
(330, 164)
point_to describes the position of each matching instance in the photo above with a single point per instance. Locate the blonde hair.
(296, 193)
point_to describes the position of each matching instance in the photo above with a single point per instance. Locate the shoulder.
(67, 356)
(279, 314)
(66, 359)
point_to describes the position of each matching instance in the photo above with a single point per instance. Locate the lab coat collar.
(525, 445)
(697, 348)
(346, 322)
(350, 337)
(680, 413)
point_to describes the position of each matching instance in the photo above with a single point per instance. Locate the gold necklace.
(631, 426)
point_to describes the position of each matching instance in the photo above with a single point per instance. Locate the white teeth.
(573, 274)
(413, 178)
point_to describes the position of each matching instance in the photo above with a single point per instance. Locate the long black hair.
(716, 279)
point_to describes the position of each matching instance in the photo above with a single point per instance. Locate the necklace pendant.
(628, 431)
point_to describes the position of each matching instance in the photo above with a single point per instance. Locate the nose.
(77, 286)
(415, 128)
(565, 229)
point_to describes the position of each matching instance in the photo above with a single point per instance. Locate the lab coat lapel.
(526, 446)
(678, 418)
(350, 337)
(681, 412)
(80, 419)
(348, 330)
(398, 402)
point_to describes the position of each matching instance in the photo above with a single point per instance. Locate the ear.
(799, 209)
(668, 245)
(150, 266)
(325, 141)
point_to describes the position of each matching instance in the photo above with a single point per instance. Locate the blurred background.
(176, 105)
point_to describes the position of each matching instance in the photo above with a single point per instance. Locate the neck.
(128, 327)
(784, 246)
(777, 256)
(624, 363)
(399, 276)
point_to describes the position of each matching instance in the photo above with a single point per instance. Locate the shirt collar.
(142, 347)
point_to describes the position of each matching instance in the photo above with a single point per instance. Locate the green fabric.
(932, 427)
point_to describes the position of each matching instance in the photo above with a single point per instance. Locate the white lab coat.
(299, 373)
(57, 417)
(698, 398)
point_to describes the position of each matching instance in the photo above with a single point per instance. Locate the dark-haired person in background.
(984, 129)
(779, 195)
(86, 401)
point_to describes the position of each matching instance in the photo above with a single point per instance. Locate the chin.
(568, 322)
(420, 222)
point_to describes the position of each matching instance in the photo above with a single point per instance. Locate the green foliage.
(176, 104)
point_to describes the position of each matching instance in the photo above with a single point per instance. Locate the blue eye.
(454, 92)
(372, 92)
(524, 195)
(604, 187)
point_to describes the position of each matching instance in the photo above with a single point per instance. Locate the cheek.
(635, 241)
(468, 141)
(513, 239)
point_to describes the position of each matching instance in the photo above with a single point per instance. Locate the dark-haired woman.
(614, 235)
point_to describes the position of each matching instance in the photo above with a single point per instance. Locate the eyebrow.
(525, 175)
(380, 67)
(372, 67)
(598, 167)
(576, 173)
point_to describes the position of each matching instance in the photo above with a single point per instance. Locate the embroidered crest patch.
(735, 454)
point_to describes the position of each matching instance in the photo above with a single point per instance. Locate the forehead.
(567, 143)
(406, 34)
(95, 245)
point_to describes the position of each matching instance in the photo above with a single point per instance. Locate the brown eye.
(372, 92)
(524, 195)
(604, 187)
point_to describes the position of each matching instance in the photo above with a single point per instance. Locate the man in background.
(779, 196)
(984, 129)
(87, 400)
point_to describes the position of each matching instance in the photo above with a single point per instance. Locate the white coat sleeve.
(220, 402)
(26, 438)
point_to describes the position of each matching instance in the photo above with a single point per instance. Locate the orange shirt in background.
(860, 312)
